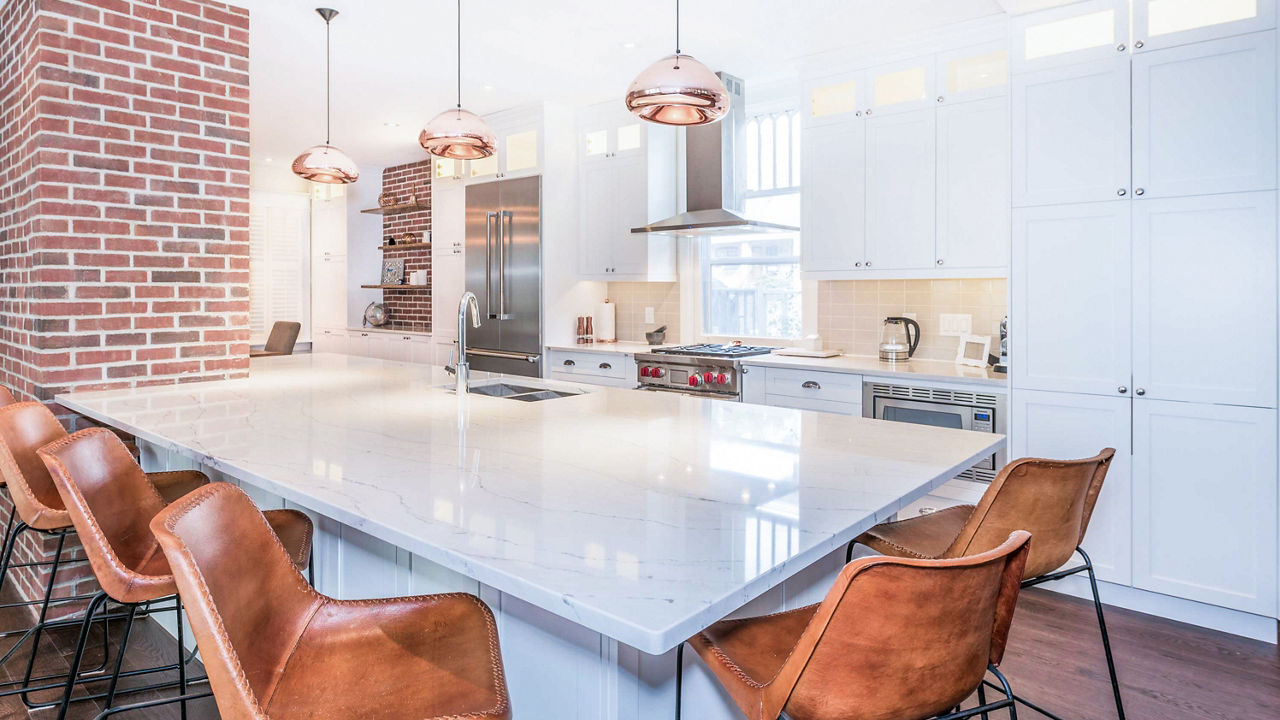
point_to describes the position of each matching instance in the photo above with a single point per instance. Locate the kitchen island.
(603, 528)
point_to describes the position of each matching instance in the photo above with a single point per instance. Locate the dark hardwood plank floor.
(1169, 671)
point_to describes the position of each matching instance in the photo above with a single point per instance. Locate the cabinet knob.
(868, 111)
(1139, 44)
(1122, 389)
(1140, 391)
(858, 114)
(939, 261)
(868, 263)
(1121, 47)
(1139, 191)
(1122, 192)
(858, 264)
(940, 98)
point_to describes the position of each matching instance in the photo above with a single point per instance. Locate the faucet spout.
(462, 371)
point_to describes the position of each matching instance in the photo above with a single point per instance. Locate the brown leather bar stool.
(7, 398)
(111, 502)
(24, 428)
(276, 649)
(284, 335)
(894, 638)
(1051, 499)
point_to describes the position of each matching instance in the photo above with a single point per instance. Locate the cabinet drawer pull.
(569, 363)
(606, 366)
(811, 385)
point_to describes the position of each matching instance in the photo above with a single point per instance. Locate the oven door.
(690, 393)
(958, 417)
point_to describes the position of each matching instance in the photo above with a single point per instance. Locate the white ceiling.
(393, 60)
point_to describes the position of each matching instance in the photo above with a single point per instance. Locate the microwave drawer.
(611, 365)
(815, 384)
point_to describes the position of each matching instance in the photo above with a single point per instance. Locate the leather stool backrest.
(247, 602)
(284, 335)
(111, 503)
(6, 396)
(1051, 499)
(903, 638)
(25, 428)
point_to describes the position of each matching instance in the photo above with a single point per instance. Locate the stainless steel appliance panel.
(938, 407)
(504, 270)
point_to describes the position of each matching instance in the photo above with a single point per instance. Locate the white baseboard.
(1235, 622)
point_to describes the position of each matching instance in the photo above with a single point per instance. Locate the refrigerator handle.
(488, 262)
(505, 239)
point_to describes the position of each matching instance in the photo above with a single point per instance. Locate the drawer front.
(815, 385)
(801, 403)
(611, 365)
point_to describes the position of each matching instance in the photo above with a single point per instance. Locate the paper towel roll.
(607, 322)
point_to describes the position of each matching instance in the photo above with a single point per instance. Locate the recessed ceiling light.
(488, 88)
(268, 159)
(628, 46)
(391, 124)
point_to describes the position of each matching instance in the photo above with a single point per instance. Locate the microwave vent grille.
(957, 397)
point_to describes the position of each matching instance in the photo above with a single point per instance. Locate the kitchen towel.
(607, 322)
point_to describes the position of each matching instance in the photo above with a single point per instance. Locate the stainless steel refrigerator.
(504, 270)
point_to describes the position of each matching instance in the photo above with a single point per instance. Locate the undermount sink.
(522, 393)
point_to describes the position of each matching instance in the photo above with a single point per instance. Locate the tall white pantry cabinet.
(1144, 291)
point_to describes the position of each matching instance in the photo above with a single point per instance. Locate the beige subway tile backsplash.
(633, 297)
(851, 312)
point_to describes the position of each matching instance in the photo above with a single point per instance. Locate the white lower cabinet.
(398, 348)
(611, 369)
(329, 340)
(1204, 503)
(1070, 425)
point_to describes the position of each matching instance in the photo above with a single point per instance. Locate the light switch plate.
(648, 315)
(955, 324)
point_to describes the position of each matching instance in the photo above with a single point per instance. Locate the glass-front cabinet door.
(901, 87)
(1080, 32)
(610, 132)
(973, 73)
(834, 99)
(1166, 23)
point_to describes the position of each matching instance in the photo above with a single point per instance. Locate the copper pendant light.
(456, 133)
(678, 90)
(326, 163)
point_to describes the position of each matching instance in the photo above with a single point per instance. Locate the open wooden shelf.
(404, 246)
(402, 207)
(405, 286)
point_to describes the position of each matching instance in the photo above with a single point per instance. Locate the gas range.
(710, 370)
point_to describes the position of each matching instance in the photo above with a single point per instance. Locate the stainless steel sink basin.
(501, 390)
(522, 393)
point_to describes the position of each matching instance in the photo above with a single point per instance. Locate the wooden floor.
(1169, 671)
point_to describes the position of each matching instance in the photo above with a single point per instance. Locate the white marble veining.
(874, 367)
(641, 516)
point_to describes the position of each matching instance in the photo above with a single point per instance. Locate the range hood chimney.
(714, 177)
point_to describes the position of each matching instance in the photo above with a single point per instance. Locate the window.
(751, 282)
(279, 272)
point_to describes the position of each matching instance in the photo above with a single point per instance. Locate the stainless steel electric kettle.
(899, 339)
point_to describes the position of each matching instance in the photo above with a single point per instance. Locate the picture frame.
(973, 350)
(393, 272)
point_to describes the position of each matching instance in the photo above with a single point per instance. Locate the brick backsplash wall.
(851, 313)
(410, 309)
(124, 197)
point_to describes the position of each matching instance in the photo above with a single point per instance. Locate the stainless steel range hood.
(714, 178)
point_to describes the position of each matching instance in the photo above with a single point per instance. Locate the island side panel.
(556, 669)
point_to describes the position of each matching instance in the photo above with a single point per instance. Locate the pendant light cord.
(677, 67)
(326, 82)
(459, 54)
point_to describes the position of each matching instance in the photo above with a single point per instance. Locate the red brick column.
(124, 194)
(410, 309)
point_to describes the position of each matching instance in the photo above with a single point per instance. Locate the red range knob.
(694, 381)
(646, 371)
(722, 379)
(708, 377)
(658, 372)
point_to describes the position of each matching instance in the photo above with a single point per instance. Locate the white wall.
(364, 235)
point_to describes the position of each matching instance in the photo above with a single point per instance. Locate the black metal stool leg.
(679, 676)
(182, 659)
(1106, 639)
(982, 699)
(124, 644)
(44, 614)
(8, 552)
(8, 527)
(98, 601)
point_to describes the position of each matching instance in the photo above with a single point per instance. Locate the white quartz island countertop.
(634, 514)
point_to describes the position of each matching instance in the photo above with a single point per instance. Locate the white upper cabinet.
(1071, 133)
(901, 188)
(1068, 425)
(973, 184)
(901, 87)
(1070, 320)
(835, 98)
(1204, 299)
(626, 180)
(1204, 503)
(1204, 118)
(519, 134)
(1080, 32)
(832, 201)
(973, 73)
(1166, 23)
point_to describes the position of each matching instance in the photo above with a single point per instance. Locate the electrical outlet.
(648, 315)
(955, 324)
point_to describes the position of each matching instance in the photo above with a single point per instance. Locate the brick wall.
(410, 308)
(124, 200)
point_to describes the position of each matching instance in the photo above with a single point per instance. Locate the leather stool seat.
(275, 649)
(925, 536)
(746, 654)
